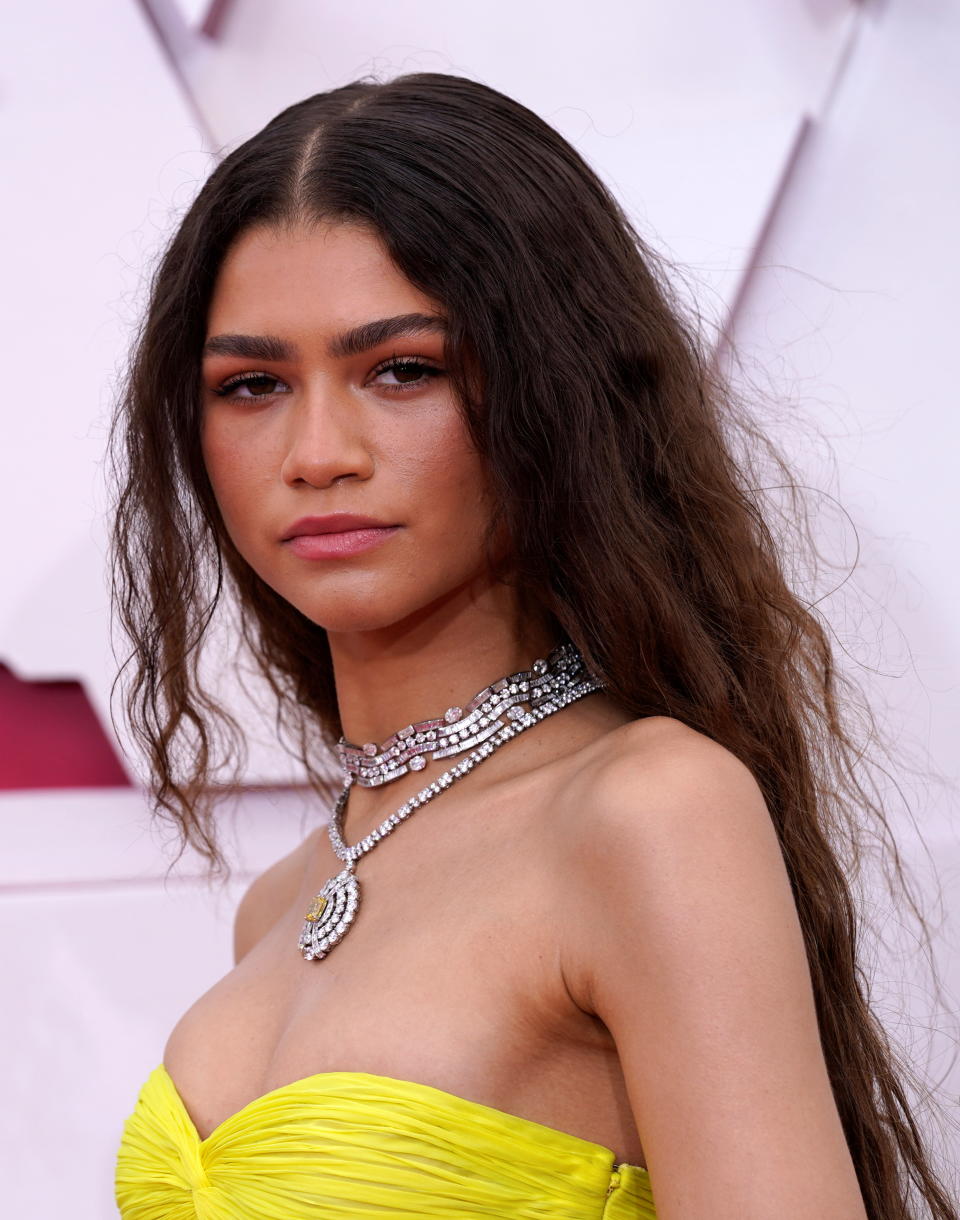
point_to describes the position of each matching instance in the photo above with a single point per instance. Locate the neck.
(436, 659)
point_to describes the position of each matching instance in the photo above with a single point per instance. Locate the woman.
(578, 940)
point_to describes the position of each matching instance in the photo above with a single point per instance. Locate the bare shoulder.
(656, 810)
(268, 897)
(684, 938)
(655, 780)
(648, 761)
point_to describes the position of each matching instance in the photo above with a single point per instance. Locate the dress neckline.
(411, 1087)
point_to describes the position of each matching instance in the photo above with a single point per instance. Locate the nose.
(325, 440)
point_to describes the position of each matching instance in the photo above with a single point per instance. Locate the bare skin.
(455, 941)
(593, 930)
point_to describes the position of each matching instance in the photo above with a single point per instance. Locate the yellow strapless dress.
(352, 1144)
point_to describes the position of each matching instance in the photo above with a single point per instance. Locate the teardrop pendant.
(330, 914)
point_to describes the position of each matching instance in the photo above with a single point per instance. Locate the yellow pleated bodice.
(352, 1144)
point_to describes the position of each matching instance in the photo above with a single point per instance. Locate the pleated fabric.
(342, 1145)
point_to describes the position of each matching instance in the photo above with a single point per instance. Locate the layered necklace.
(499, 712)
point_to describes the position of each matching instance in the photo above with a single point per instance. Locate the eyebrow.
(348, 343)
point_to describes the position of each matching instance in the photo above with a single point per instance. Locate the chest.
(448, 975)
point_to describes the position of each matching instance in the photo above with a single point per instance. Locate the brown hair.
(611, 441)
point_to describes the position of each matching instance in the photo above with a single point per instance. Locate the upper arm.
(687, 945)
(267, 898)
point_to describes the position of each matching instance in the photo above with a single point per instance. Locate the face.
(325, 393)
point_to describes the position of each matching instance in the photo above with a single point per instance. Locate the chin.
(370, 600)
(352, 612)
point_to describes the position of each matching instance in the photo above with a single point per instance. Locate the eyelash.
(402, 363)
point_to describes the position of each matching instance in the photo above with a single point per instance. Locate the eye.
(407, 372)
(259, 385)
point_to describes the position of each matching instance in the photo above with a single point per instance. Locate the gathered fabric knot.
(208, 1202)
(167, 1150)
(191, 1164)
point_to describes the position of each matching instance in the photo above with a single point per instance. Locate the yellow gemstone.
(316, 909)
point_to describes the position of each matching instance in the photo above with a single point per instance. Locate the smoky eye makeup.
(410, 373)
(421, 370)
(253, 379)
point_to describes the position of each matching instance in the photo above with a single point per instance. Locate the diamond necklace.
(334, 908)
(459, 728)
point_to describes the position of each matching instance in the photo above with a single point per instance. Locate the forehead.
(328, 274)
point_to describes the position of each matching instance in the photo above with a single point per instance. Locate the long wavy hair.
(623, 464)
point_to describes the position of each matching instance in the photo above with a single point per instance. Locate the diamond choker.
(460, 729)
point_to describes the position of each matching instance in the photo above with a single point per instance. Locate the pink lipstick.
(335, 536)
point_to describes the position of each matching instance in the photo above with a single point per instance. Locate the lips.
(332, 523)
(341, 544)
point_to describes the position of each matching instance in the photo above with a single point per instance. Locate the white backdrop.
(801, 159)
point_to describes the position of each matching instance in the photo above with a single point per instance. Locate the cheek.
(456, 504)
(449, 482)
(231, 478)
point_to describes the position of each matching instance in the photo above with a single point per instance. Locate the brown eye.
(406, 373)
(258, 385)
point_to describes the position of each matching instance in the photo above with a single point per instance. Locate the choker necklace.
(460, 729)
(334, 908)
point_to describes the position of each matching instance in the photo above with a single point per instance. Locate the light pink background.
(800, 159)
